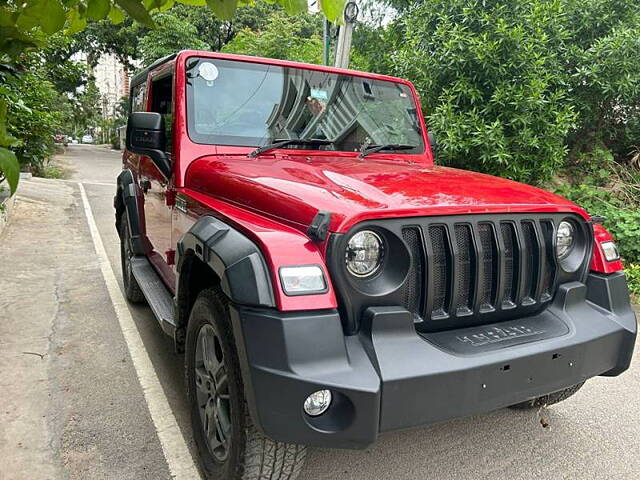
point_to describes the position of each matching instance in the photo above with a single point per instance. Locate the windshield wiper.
(279, 143)
(369, 149)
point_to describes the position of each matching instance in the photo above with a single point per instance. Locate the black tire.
(216, 392)
(131, 288)
(549, 399)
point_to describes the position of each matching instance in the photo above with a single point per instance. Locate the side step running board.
(158, 296)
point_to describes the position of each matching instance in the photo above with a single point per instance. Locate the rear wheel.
(549, 399)
(229, 444)
(131, 288)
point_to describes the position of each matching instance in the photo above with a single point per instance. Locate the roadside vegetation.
(541, 91)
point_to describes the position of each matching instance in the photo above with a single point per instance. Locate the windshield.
(239, 103)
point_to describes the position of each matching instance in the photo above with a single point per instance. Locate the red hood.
(293, 189)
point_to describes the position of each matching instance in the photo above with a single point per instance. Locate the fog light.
(317, 403)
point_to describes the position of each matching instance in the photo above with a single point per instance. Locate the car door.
(155, 186)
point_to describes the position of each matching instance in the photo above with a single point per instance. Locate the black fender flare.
(126, 199)
(234, 258)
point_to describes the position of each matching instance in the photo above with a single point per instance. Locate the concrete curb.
(6, 207)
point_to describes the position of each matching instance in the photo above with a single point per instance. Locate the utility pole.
(343, 48)
(326, 41)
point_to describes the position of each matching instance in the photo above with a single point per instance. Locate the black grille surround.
(463, 270)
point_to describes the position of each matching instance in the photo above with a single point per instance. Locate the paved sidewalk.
(68, 393)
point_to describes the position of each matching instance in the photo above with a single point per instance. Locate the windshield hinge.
(319, 228)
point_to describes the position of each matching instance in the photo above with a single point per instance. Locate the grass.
(51, 171)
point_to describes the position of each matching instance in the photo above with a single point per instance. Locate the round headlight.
(565, 239)
(364, 253)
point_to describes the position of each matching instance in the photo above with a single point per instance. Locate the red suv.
(327, 282)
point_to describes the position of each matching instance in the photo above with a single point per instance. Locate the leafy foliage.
(488, 71)
(604, 188)
(37, 110)
(283, 37)
(518, 89)
(170, 35)
(632, 272)
(26, 24)
(603, 64)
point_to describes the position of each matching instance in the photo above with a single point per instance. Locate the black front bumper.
(389, 377)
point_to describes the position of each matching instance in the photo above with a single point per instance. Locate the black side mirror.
(146, 136)
(434, 145)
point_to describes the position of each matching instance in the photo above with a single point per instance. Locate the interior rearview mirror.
(146, 136)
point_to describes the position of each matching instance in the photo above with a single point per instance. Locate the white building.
(112, 80)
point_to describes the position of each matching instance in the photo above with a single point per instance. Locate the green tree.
(36, 109)
(603, 59)
(490, 77)
(170, 35)
(86, 109)
(216, 32)
(27, 25)
(105, 37)
(283, 37)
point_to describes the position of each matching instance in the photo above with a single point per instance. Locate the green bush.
(517, 88)
(605, 188)
(488, 73)
(284, 37)
(633, 278)
(37, 112)
(602, 60)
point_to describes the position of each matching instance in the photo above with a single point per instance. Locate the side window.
(162, 102)
(137, 98)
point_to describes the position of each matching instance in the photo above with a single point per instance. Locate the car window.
(162, 103)
(137, 98)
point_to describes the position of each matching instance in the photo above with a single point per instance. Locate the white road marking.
(104, 184)
(176, 452)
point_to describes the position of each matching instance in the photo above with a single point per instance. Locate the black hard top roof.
(140, 77)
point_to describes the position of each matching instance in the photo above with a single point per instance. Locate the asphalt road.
(72, 404)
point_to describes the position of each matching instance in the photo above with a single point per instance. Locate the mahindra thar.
(327, 282)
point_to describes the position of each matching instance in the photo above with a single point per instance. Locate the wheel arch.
(212, 252)
(126, 200)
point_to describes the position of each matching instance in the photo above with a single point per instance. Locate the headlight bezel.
(389, 275)
(574, 258)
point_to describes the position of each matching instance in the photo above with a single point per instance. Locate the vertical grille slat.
(531, 257)
(489, 260)
(439, 270)
(549, 272)
(413, 288)
(511, 261)
(464, 270)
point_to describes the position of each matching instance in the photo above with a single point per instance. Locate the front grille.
(480, 268)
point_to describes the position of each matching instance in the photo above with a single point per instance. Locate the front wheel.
(229, 444)
(549, 399)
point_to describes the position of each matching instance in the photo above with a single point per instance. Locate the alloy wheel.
(212, 389)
